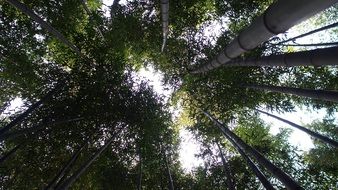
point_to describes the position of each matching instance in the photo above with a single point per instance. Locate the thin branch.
(307, 45)
(309, 33)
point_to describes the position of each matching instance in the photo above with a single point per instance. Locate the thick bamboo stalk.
(311, 45)
(22, 7)
(312, 133)
(278, 18)
(139, 181)
(229, 178)
(318, 57)
(265, 182)
(165, 21)
(171, 183)
(68, 182)
(10, 153)
(4, 107)
(65, 168)
(309, 33)
(309, 93)
(275, 171)
(17, 133)
(37, 104)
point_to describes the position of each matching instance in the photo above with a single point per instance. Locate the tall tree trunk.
(4, 106)
(312, 133)
(265, 182)
(318, 57)
(15, 134)
(275, 171)
(22, 116)
(160, 171)
(171, 183)
(139, 182)
(309, 33)
(22, 7)
(227, 171)
(278, 18)
(10, 153)
(66, 168)
(165, 21)
(68, 182)
(311, 45)
(315, 94)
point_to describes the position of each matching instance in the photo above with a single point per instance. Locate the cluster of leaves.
(97, 96)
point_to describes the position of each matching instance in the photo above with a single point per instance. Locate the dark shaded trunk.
(275, 171)
(229, 178)
(165, 21)
(315, 94)
(312, 133)
(4, 106)
(10, 153)
(265, 182)
(22, 7)
(171, 183)
(318, 57)
(309, 33)
(15, 134)
(309, 45)
(139, 181)
(69, 181)
(161, 171)
(278, 18)
(66, 168)
(34, 106)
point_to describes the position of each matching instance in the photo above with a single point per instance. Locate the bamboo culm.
(309, 93)
(165, 21)
(69, 181)
(278, 18)
(139, 181)
(34, 106)
(229, 179)
(17, 133)
(22, 7)
(171, 183)
(275, 171)
(309, 33)
(64, 170)
(312, 133)
(318, 57)
(10, 153)
(265, 182)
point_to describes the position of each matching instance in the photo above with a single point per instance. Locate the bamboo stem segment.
(318, 57)
(275, 171)
(278, 18)
(309, 93)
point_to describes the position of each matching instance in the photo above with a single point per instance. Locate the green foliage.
(101, 96)
(323, 157)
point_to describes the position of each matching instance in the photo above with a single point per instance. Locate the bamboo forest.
(79, 108)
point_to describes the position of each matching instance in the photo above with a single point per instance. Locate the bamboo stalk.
(278, 18)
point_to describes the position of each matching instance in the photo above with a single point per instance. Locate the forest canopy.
(89, 121)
